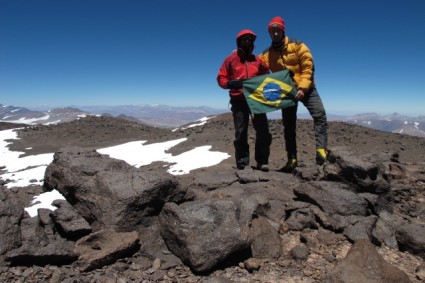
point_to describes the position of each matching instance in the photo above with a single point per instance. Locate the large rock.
(363, 175)
(109, 192)
(301, 219)
(385, 228)
(41, 244)
(410, 237)
(105, 247)
(336, 222)
(68, 222)
(363, 264)
(207, 181)
(333, 198)
(265, 240)
(11, 214)
(203, 233)
(361, 229)
(153, 246)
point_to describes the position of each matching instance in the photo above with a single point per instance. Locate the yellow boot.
(290, 166)
(321, 156)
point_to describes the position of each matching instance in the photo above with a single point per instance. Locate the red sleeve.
(223, 74)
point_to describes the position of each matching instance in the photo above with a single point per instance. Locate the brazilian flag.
(269, 92)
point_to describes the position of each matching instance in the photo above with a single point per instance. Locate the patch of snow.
(27, 170)
(44, 200)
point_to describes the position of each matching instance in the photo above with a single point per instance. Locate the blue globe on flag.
(272, 91)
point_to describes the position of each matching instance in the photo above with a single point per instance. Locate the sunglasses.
(246, 38)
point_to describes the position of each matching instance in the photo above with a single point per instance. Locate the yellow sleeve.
(265, 58)
(307, 67)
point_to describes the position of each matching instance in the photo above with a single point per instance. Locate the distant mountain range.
(394, 123)
(153, 115)
(169, 116)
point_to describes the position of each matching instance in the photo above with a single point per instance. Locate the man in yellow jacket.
(294, 55)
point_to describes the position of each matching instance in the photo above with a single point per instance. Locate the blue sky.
(369, 55)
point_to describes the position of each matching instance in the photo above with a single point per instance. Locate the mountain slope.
(274, 190)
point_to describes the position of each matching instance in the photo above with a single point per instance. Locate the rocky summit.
(360, 217)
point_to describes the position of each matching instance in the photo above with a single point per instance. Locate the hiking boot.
(290, 166)
(240, 166)
(244, 161)
(321, 156)
(262, 167)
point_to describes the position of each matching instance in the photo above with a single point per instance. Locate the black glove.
(235, 84)
(291, 73)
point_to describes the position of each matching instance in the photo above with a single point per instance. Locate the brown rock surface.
(94, 132)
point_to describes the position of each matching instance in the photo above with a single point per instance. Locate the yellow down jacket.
(294, 55)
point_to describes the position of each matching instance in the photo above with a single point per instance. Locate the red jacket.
(239, 66)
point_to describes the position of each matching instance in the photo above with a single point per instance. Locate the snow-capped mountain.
(395, 123)
(170, 116)
(154, 115)
(22, 115)
(157, 114)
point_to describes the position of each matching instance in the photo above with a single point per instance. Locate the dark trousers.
(314, 105)
(263, 138)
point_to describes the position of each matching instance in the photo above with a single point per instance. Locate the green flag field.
(269, 92)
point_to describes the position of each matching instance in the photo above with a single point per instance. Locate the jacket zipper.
(246, 69)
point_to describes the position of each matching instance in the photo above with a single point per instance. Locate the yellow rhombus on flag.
(269, 92)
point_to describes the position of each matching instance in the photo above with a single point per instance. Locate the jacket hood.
(244, 32)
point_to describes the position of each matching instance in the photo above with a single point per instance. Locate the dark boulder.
(108, 192)
(363, 264)
(11, 214)
(203, 233)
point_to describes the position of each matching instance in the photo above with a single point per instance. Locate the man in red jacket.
(240, 65)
